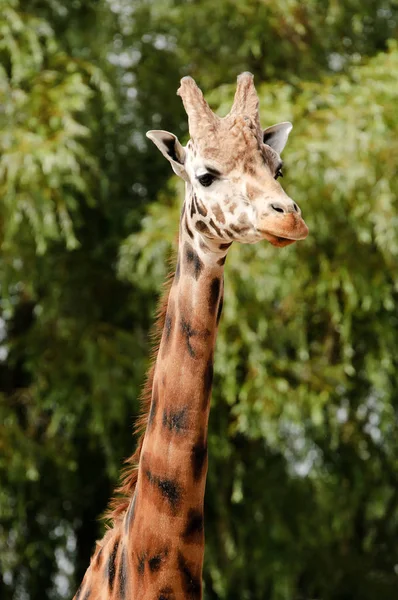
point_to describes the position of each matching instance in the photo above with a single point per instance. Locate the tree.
(59, 242)
(301, 496)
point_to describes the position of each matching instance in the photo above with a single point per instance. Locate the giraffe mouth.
(278, 241)
(284, 232)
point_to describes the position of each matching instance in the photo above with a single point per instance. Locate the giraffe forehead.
(228, 148)
(234, 154)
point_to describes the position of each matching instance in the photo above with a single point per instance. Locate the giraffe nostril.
(296, 208)
(277, 207)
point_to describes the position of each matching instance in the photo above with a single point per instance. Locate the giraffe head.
(231, 168)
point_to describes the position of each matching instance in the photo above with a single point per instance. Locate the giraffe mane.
(121, 500)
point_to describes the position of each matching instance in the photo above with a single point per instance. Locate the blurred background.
(302, 493)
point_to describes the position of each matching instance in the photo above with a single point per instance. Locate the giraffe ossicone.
(155, 547)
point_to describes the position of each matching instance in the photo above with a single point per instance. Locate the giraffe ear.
(171, 148)
(276, 135)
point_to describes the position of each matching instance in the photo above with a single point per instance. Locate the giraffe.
(155, 548)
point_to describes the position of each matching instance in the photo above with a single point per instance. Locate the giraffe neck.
(164, 523)
(155, 549)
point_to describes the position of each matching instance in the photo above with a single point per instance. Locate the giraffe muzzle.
(283, 229)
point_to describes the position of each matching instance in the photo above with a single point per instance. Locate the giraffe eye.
(278, 173)
(206, 179)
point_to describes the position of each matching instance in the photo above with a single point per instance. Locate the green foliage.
(302, 495)
(45, 168)
(274, 40)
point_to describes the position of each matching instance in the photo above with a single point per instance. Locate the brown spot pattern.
(215, 227)
(202, 227)
(218, 213)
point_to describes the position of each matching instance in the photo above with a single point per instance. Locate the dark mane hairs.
(119, 504)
